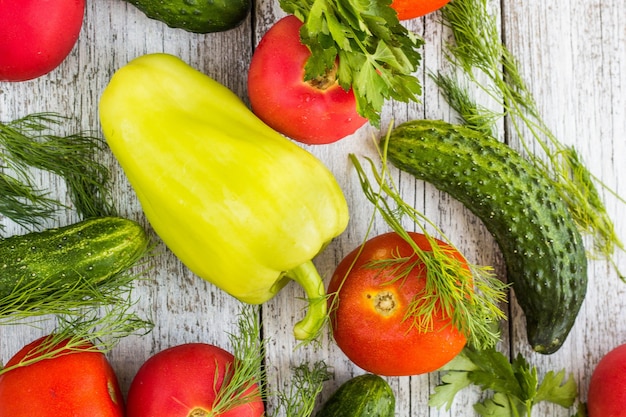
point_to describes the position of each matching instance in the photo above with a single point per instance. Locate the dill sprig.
(26, 144)
(469, 294)
(88, 330)
(477, 51)
(249, 349)
(238, 387)
(306, 383)
(30, 298)
(22, 202)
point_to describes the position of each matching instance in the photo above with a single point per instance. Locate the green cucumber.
(540, 242)
(362, 396)
(197, 16)
(38, 270)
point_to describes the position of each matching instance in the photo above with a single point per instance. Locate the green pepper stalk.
(239, 204)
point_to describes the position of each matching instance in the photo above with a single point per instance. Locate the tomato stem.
(307, 276)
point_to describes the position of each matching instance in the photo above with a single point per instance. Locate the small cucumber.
(41, 265)
(540, 243)
(365, 395)
(197, 16)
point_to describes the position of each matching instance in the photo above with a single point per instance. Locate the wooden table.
(573, 54)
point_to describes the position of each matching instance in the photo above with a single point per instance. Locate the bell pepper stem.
(307, 276)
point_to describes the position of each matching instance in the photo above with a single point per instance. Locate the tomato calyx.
(385, 303)
(325, 81)
(199, 412)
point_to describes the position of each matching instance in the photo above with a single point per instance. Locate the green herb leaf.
(102, 328)
(306, 384)
(26, 144)
(451, 384)
(556, 389)
(238, 386)
(515, 385)
(249, 349)
(22, 202)
(377, 55)
(499, 406)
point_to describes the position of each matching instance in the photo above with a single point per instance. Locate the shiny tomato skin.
(607, 388)
(79, 384)
(183, 378)
(283, 100)
(379, 341)
(37, 35)
(410, 9)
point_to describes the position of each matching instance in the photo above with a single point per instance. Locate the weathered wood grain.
(572, 54)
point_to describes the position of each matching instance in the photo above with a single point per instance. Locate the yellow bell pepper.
(239, 204)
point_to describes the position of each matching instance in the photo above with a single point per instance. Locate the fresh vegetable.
(375, 55)
(481, 60)
(203, 379)
(188, 380)
(196, 16)
(79, 276)
(75, 380)
(30, 143)
(542, 248)
(198, 379)
(473, 309)
(607, 388)
(515, 386)
(410, 9)
(317, 111)
(362, 396)
(375, 292)
(59, 270)
(36, 36)
(242, 206)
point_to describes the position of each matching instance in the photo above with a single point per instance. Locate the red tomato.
(410, 9)
(305, 112)
(37, 35)
(368, 311)
(182, 379)
(607, 388)
(77, 384)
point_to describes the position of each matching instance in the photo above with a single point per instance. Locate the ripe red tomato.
(607, 388)
(311, 113)
(77, 384)
(37, 35)
(410, 9)
(368, 310)
(183, 381)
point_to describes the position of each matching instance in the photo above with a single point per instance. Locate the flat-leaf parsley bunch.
(375, 55)
(515, 385)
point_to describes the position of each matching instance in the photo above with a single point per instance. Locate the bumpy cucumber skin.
(97, 248)
(540, 243)
(365, 395)
(196, 16)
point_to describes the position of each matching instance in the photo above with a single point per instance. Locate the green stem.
(307, 276)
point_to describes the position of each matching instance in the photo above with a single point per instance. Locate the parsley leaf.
(515, 384)
(375, 54)
(554, 390)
